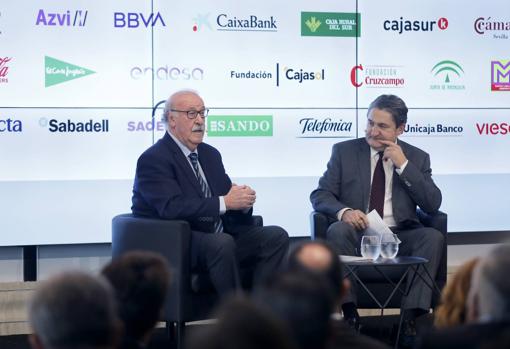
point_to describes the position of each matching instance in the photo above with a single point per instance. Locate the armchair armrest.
(319, 223)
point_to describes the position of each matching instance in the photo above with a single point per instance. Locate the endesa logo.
(299, 75)
(69, 18)
(402, 25)
(377, 76)
(419, 129)
(135, 20)
(493, 129)
(11, 125)
(324, 127)
(168, 73)
(498, 28)
(4, 69)
(70, 126)
(250, 23)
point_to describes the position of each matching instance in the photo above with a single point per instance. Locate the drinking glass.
(370, 246)
(389, 245)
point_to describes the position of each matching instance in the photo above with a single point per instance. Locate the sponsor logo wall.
(284, 82)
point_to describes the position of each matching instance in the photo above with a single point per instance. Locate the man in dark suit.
(180, 177)
(393, 177)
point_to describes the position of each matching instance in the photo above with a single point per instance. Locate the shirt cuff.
(223, 207)
(402, 168)
(341, 213)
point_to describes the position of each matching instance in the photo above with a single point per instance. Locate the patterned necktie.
(378, 188)
(218, 226)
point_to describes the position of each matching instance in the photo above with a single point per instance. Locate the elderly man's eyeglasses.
(192, 114)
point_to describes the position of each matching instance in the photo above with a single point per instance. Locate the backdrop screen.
(284, 82)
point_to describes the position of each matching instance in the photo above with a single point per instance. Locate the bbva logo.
(134, 20)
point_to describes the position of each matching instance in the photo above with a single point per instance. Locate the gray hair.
(492, 284)
(171, 101)
(74, 310)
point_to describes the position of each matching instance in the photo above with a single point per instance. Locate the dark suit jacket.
(346, 183)
(467, 337)
(166, 187)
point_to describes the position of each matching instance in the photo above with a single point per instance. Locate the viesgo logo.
(377, 76)
(402, 25)
(4, 69)
(69, 18)
(135, 20)
(498, 28)
(493, 129)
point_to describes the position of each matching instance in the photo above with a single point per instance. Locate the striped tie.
(218, 226)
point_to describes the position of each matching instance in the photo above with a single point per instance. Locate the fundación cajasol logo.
(500, 75)
(57, 71)
(240, 125)
(447, 74)
(330, 24)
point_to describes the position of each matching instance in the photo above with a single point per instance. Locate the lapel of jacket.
(183, 163)
(363, 156)
(396, 188)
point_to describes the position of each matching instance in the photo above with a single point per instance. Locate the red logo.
(354, 71)
(442, 23)
(4, 69)
(491, 129)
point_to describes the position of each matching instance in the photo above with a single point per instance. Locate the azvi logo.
(57, 72)
(448, 73)
(77, 18)
(500, 75)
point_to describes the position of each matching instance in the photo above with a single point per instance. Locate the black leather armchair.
(190, 296)
(319, 225)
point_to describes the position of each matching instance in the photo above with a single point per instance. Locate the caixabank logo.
(377, 76)
(500, 75)
(246, 23)
(341, 24)
(403, 25)
(55, 125)
(239, 126)
(4, 69)
(65, 18)
(57, 71)
(447, 75)
(495, 28)
(10, 125)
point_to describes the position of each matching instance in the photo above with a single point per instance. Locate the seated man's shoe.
(407, 334)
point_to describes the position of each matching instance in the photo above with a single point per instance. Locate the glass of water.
(389, 245)
(370, 246)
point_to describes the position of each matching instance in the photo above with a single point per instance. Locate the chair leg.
(179, 330)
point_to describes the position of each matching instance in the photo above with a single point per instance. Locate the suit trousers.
(263, 250)
(418, 242)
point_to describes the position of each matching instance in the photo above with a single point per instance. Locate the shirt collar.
(374, 152)
(181, 146)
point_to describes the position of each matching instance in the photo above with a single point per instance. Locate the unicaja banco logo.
(4, 69)
(500, 75)
(57, 72)
(448, 74)
(240, 125)
(330, 24)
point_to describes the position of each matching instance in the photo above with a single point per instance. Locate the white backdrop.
(113, 61)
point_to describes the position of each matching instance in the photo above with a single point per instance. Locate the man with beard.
(180, 177)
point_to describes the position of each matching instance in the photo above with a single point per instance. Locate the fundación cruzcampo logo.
(448, 72)
(57, 72)
(500, 75)
(240, 125)
(330, 24)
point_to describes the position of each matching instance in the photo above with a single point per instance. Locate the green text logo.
(330, 24)
(240, 125)
(57, 72)
(448, 73)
